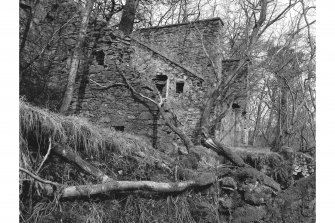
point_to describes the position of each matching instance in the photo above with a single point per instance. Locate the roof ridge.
(184, 23)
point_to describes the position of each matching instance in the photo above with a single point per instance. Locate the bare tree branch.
(187, 141)
(69, 155)
(45, 157)
(103, 87)
(47, 45)
(38, 178)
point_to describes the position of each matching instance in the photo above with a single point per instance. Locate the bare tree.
(256, 15)
(75, 58)
(31, 12)
(258, 116)
(128, 16)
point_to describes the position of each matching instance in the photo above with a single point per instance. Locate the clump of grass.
(259, 159)
(174, 209)
(116, 153)
(125, 155)
(83, 136)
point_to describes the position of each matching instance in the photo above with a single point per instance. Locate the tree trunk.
(187, 141)
(224, 151)
(271, 117)
(258, 118)
(31, 9)
(75, 58)
(67, 153)
(26, 31)
(257, 175)
(161, 187)
(282, 118)
(268, 127)
(128, 16)
(223, 86)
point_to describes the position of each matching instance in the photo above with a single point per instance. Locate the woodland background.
(304, 128)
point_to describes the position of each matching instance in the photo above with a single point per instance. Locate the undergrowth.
(121, 155)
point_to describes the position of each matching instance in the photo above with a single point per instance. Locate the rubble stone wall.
(169, 59)
(190, 44)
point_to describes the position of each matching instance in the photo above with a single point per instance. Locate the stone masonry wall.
(185, 103)
(102, 97)
(233, 130)
(170, 59)
(185, 43)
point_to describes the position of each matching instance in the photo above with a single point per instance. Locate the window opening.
(179, 87)
(119, 128)
(160, 81)
(160, 88)
(199, 84)
(235, 105)
(160, 77)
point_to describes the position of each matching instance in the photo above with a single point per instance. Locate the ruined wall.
(195, 45)
(233, 129)
(185, 43)
(169, 59)
(102, 96)
(183, 92)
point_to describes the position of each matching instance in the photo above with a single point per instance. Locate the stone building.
(180, 61)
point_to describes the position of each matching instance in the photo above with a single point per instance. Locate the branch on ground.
(113, 186)
(247, 170)
(69, 155)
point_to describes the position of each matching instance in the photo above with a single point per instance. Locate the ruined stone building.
(182, 61)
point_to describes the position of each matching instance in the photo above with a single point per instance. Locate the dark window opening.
(179, 87)
(160, 88)
(119, 128)
(160, 77)
(235, 105)
(199, 84)
(160, 82)
(100, 57)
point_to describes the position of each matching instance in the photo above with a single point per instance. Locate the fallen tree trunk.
(246, 170)
(224, 151)
(69, 155)
(52, 188)
(250, 172)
